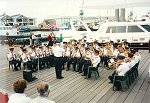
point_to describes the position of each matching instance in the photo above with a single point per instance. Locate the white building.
(17, 19)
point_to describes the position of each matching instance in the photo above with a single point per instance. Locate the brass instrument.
(101, 52)
(121, 49)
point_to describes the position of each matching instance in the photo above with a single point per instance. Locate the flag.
(51, 26)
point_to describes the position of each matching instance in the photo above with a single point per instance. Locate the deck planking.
(75, 89)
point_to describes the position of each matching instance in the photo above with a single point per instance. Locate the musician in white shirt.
(85, 59)
(12, 58)
(121, 68)
(95, 61)
(137, 56)
(130, 60)
(26, 60)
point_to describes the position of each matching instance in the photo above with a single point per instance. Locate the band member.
(58, 53)
(47, 54)
(26, 60)
(130, 60)
(121, 68)
(71, 59)
(76, 58)
(85, 59)
(34, 59)
(12, 58)
(106, 57)
(41, 56)
(67, 55)
(137, 56)
(95, 60)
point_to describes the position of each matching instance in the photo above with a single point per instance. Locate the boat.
(135, 33)
(77, 29)
(9, 32)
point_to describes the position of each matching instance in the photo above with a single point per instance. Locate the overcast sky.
(43, 8)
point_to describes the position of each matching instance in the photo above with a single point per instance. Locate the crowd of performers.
(78, 55)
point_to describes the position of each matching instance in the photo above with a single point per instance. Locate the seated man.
(121, 68)
(95, 61)
(130, 60)
(12, 57)
(43, 90)
(19, 96)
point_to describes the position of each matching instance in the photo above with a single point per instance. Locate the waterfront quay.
(74, 88)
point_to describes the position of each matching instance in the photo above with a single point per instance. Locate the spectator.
(50, 40)
(19, 96)
(43, 90)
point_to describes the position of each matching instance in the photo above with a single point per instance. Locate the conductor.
(58, 54)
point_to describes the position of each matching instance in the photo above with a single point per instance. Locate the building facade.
(17, 19)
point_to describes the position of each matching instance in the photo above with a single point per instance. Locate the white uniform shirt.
(20, 52)
(116, 52)
(58, 51)
(77, 54)
(41, 100)
(11, 56)
(25, 57)
(67, 53)
(19, 98)
(96, 61)
(88, 55)
(123, 54)
(131, 63)
(123, 68)
(137, 58)
(105, 51)
(48, 53)
(33, 55)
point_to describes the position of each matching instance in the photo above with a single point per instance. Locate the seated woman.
(19, 96)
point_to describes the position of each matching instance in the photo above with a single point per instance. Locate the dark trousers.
(105, 59)
(112, 77)
(64, 60)
(58, 67)
(51, 60)
(50, 43)
(69, 62)
(34, 64)
(85, 69)
(81, 63)
(16, 64)
(117, 84)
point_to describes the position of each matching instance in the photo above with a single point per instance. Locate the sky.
(41, 9)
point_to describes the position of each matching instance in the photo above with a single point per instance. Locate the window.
(116, 29)
(134, 29)
(147, 27)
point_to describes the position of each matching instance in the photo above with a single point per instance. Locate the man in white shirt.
(19, 96)
(121, 69)
(58, 54)
(95, 61)
(43, 90)
(12, 58)
(130, 60)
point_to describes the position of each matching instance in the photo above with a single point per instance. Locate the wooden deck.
(75, 89)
